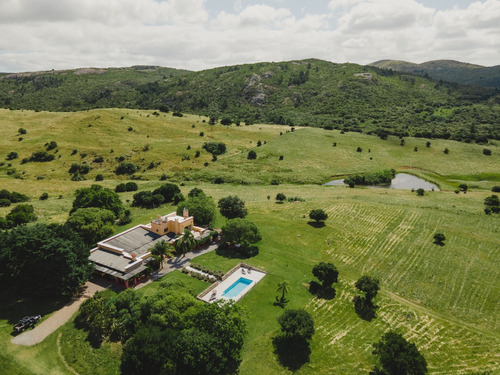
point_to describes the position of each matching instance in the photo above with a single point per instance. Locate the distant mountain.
(448, 70)
(308, 92)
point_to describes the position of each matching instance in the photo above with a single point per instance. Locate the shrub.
(252, 155)
(41, 156)
(495, 189)
(359, 149)
(177, 114)
(21, 131)
(12, 155)
(486, 152)
(280, 197)
(446, 151)
(427, 144)
(215, 148)
(126, 168)
(51, 145)
(4, 202)
(128, 186)
(79, 168)
(226, 121)
(318, 215)
(420, 192)
(99, 177)
(275, 182)
(98, 159)
(44, 196)
(202, 134)
(439, 238)
(281, 157)
(219, 180)
(74, 152)
(197, 155)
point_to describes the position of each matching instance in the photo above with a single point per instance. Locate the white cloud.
(47, 34)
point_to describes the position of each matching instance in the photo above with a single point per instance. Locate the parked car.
(26, 322)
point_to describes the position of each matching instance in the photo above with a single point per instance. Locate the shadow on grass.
(316, 224)
(365, 308)
(319, 291)
(233, 252)
(293, 352)
(14, 307)
(439, 243)
(281, 302)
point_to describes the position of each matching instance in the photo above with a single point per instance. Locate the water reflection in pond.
(401, 181)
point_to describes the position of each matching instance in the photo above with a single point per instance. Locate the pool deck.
(215, 292)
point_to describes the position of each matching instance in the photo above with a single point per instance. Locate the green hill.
(442, 298)
(448, 70)
(299, 93)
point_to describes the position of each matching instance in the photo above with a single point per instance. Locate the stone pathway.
(56, 320)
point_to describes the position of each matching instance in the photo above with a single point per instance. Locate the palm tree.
(186, 243)
(284, 288)
(160, 249)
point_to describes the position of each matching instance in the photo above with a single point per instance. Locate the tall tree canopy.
(43, 260)
(92, 224)
(97, 196)
(241, 231)
(232, 207)
(396, 356)
(201, 207)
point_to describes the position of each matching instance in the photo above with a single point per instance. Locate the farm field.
(442, 298)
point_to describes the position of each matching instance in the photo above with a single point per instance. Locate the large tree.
(396, 356)
(92, 224)
(241, 231)
(326, 272)
(167, 191)
(97, 196)
(43, 260)
(201, 207)
(369, 285)
(232, 207)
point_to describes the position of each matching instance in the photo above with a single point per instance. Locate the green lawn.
(442, 298)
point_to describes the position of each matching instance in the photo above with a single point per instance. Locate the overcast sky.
(200, 34)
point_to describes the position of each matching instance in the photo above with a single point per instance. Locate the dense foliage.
(318, 215)
(169, 332)
(126, 186)
(97, 196)
(201, 207)
(45, 260)
(241, 231)
(232, 207)
(92, 224)
(19, 215)
(396, 356)
(376, 178)
(306, 93)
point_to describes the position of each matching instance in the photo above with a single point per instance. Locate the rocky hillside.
(310, 92)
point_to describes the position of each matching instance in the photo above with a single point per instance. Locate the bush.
(126, 168)
(486, 152)
(280, 197)
(318, 215)
(41, 156)
(359, 149)
(4, 202)
(226, 121)
(21, 131)
(446, 151)
(177, 114)
(52, 145)
(127, 186)
(495, 189)
(215, 148)
(146, 199)
(79, 168)
(44, 196)
(439, 238)
(420, 192)
(12, 155)
(252, 155)
(99, 177)
(275, 182)
(98, 159)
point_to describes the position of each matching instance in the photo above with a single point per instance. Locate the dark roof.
(137, 240)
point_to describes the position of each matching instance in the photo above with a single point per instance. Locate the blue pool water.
(237, 287)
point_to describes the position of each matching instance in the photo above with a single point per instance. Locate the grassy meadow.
(442, 298)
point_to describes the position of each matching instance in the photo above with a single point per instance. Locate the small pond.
(401, 181)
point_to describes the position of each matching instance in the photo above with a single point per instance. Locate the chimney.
(185, 213)
(134, 256)
(159, 218)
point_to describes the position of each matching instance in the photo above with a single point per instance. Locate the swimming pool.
(237, 287)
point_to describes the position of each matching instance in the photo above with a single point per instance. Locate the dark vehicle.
(26, 322)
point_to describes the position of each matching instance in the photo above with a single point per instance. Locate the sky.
(201, 34)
